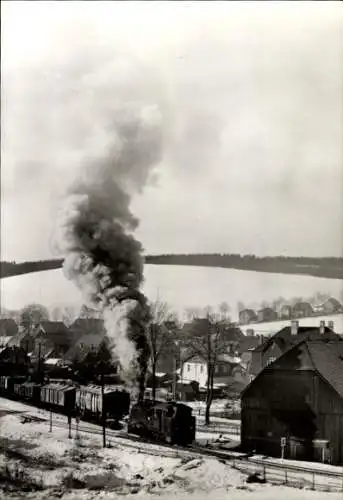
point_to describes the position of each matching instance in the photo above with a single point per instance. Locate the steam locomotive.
(169, 422)
(163, 421)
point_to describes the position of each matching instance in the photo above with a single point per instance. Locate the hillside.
(322, 267)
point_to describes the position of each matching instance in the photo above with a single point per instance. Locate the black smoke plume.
(94, 232)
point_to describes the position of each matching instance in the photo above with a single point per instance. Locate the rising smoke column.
(94, 232)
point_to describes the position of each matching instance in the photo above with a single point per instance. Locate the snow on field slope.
(48, 465)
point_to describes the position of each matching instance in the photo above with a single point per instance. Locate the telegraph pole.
(174, 379)
(103, 411)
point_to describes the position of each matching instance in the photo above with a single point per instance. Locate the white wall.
(195, 371)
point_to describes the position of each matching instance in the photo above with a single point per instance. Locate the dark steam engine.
(163, 421)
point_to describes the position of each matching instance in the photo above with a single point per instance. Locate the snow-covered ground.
(74, 469)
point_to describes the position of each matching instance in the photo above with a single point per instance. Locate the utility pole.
(181, 371)
(103, 411)
(174, 379)
(39, 361)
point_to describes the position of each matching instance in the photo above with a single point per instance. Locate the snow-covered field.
(49, 465)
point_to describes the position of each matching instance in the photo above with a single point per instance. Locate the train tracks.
(269, 470)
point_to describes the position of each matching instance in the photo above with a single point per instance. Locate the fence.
(219, 428)
(291, 475)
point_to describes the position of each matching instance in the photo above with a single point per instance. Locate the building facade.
(297, 398)
(273, 347)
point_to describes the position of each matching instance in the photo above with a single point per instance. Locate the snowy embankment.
(36, 464)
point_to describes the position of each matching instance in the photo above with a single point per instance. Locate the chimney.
(331, 325)
(294, 327)
(322, 327)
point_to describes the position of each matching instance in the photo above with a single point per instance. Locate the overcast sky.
(251, 97)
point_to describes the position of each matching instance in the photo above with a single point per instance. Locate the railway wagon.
(164, 421)
(7, 383)
(21, 390)
(60, 397)
(89, 402)
(28, 391)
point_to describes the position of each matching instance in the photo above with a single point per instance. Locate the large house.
(302, 310)
(227, 369)
(297, 401)
(51, 339)
(276, 345)
(245, 351)
(23, 340)
(330, 306)
(266, 314)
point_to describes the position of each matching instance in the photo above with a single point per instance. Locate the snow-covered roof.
(52, 361)
(96, 389)
(59, 387)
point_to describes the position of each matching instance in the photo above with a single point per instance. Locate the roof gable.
(324, 357)
(328, 361)
(284, 338)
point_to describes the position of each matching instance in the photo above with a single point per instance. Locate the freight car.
(69, 398)
(27, 391)
(90, 400)
(58, 397)
(164, 421)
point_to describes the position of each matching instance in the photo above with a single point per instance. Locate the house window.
(202, 369)
(188, 368)
(271, 360)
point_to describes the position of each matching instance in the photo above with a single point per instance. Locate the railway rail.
(268, 470)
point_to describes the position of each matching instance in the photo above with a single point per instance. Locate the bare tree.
(208, 341)
(33, 314)
(161, 331)
(224, 310)
(278, 303)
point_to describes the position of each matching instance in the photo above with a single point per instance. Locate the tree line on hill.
(325, 267)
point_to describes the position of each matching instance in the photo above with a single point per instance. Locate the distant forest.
(321, 267)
